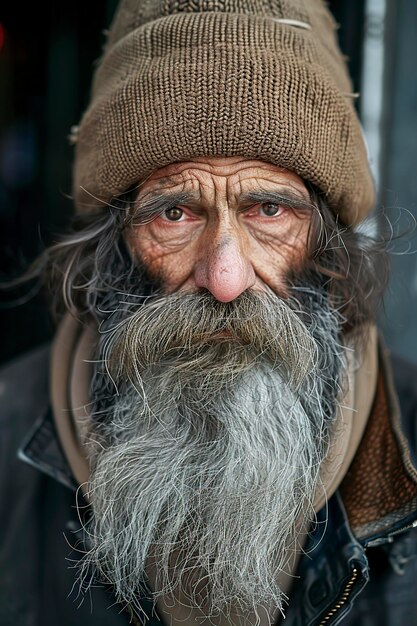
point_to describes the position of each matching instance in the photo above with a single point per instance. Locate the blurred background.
(46, 63)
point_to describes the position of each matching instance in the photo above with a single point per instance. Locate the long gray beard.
(208, 456)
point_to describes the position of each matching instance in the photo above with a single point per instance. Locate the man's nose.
(224, 270)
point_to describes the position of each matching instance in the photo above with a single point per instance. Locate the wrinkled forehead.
(231, 176)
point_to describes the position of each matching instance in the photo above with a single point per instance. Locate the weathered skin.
(220, 243)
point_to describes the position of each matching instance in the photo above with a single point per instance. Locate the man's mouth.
(223, 334)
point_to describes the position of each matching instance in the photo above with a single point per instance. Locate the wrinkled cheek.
(163, 265)
(296, 254)
(278, 266)
(134, 243)
(143, 253)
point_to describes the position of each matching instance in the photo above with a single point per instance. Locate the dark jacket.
(362, 570)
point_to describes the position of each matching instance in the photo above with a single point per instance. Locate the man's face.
(231, 235)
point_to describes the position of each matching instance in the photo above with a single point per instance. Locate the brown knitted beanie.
(258, 78)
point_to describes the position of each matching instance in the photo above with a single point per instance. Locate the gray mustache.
(179, 330)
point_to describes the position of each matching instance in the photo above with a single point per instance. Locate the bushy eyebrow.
(151, 207)
(288, 199)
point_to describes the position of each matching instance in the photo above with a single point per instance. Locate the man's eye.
(174, 214)
(270, 209)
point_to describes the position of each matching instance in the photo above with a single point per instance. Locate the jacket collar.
(42, 450)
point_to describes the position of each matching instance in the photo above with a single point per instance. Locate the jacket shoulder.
(24, 386)
(24, 399)
(405, 382)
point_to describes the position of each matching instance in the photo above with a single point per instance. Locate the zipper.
(390, 537)
(402, 530)
(343, 599)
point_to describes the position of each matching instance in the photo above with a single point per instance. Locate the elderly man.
(219, 440)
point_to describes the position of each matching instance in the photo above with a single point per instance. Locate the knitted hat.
(258, 78)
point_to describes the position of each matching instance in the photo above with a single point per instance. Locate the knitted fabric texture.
(258, 78)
